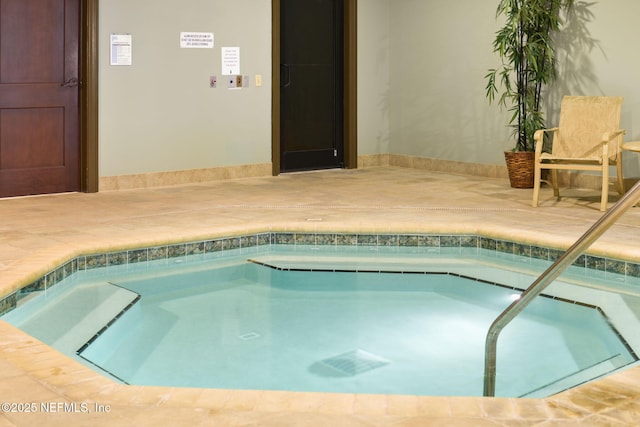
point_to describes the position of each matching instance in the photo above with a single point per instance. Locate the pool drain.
(355, 362)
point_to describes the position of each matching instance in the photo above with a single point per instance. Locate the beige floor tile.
(39, 233)
(370, 404)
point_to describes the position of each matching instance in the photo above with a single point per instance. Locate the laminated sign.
(195, 40)
(120, 49)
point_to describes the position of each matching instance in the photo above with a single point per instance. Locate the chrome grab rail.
(595, 231)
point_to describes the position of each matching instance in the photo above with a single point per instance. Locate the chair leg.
(604, 198)
(554, 183)
(620, 181)
(536, 185)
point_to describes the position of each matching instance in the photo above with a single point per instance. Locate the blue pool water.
(320, 320)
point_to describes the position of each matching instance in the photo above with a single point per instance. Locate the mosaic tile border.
(388, 241)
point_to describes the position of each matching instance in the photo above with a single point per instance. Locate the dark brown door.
(39, 85)
(311, 84)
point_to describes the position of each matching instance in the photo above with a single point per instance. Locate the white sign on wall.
(121, 52)
(230, 61)
(196, 40)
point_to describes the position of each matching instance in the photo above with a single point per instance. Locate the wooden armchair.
(588, 138)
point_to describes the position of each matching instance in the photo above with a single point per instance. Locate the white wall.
(373, 76)
(441, 50)
(421, 67)
(160, 114)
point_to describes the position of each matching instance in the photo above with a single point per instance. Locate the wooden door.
(39, 96)
(311, 84)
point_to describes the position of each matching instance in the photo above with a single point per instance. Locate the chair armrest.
(608, 136)
(538, 138)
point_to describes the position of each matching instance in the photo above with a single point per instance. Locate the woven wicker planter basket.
(520, 168)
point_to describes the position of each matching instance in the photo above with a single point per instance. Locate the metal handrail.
(595, 231)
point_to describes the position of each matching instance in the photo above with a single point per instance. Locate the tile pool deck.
(39, 233)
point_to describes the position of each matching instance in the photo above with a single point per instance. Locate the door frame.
(89, 57)
(350, 86)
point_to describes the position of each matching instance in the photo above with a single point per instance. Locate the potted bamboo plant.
(525, 46)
